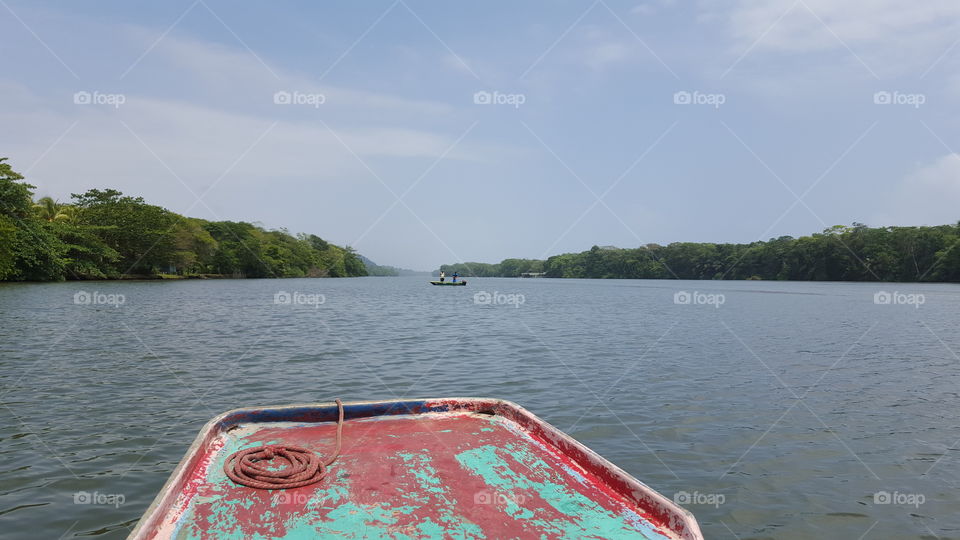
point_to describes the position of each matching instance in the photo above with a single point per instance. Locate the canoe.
(442, 468)
(458, 283)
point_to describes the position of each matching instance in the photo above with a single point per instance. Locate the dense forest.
(840, 253)
(104, 234)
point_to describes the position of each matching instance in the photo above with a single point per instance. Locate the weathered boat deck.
(447, 474)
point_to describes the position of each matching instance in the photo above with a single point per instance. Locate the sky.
(424, 133)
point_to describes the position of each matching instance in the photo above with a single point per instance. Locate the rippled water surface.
(787, 412)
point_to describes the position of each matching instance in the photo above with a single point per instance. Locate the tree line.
(839, 253)
(104, 234)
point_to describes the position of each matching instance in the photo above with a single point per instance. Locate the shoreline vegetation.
(839, 253)
(104, 234)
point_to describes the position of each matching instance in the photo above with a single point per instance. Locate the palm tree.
(50, 210)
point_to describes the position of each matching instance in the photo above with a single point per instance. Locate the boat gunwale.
(677, 519)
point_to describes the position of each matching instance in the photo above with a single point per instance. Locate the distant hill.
(375, 269)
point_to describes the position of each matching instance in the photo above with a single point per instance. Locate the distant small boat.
(457, 283)
(433, 468)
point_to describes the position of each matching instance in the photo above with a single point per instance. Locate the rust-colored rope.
(297, 466)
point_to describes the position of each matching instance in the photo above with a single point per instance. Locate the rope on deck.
(257, 467)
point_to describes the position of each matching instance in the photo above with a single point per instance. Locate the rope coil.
(257, 467)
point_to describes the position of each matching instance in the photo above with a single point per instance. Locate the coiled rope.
(257, 467)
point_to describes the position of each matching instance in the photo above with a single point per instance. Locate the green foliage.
(105, 234)
(839, 253)
(86, 255)
(142, 234)
(515, 267)
(48, 209)
(352, 263)
(39, 254)
(472, 269)
(30, 249)
(8, 256)
(16, 198)
(382, 271)
(194, 247)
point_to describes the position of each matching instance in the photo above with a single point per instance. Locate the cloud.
(228, 76)
(890, 36)
(650, 7)
(200, 143)
(930, 195)
(200, 115)
(941, 177)
(599, 48)
(198, 108)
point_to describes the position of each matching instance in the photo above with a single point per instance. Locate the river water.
(770, 410)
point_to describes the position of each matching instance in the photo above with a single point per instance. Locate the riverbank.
(840, 253)
(173, 277)
(104, 234)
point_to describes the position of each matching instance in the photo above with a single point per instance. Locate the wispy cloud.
(892, 37)
(928, 195)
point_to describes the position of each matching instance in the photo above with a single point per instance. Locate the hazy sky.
(801, 114)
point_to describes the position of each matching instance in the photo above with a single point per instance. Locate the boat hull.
(453, 467)
(449, 283)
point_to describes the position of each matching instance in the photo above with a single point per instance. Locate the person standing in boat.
(455, 276)
(442, 276)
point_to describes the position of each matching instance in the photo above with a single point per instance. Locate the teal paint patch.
(426, 475)
(428, 480)
(350, 520)
(587, 517)
(336, 491)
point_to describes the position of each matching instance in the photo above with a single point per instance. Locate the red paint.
(376, 474)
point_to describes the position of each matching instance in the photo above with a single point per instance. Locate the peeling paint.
(459, 469)
(587, 518)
